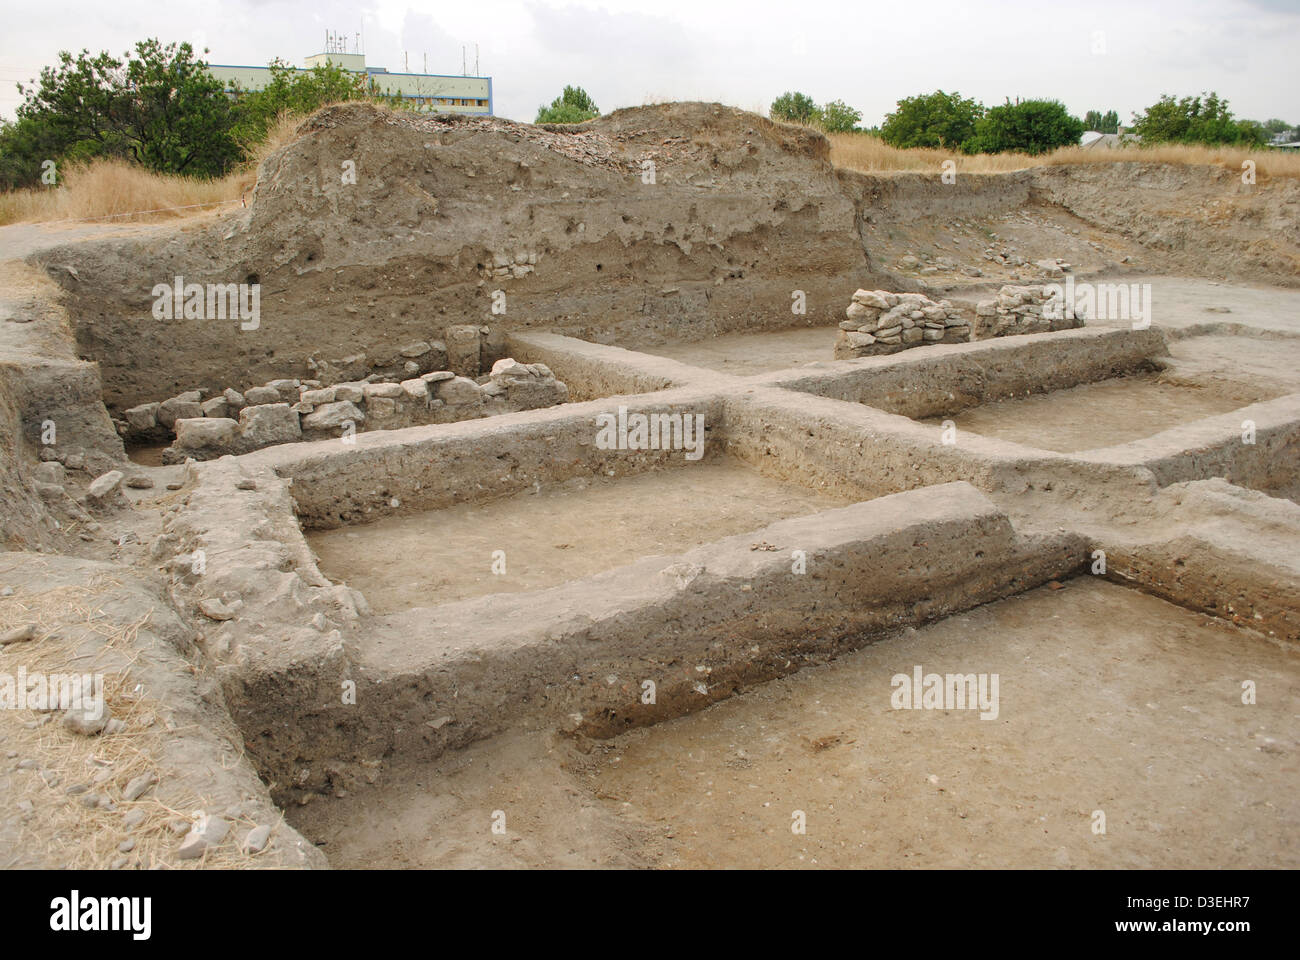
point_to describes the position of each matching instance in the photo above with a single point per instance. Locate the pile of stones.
(288, 410)
(1025, 309)
(880, 322)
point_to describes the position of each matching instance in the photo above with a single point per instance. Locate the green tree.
(838, 117)
(572, 106)
(1107, 122)
(1029, 126)
(158, 107)
(793, 107)
(1205, 119)
(298, 92)
(931, 120)
(24, 145)
(1277, 126)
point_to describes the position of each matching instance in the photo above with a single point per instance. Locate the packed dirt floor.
(1111, 701)
(1098, 414)
(560, 533)
(311, 661)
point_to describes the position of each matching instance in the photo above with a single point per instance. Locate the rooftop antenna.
(464, 70)
(426, 62)
(476, 71)
(406, 59)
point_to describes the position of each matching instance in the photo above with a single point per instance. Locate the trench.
(554, 533)
(1118, 720)
(1099, 414)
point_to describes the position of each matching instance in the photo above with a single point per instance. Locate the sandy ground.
(1096, 414)
(560, 533)
(747, 354)
(1186, 301)
(1268, 365)
(19, 240)
(1109, 700)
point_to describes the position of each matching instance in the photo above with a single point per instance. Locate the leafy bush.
(1107, 122)
(931, 120)
(572, 106)
(1193, 120)
(1030, 126)
(793, 107)
(838, 117)
(159, 108)
(298, 92)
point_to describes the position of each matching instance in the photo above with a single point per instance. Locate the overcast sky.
(1104, 54)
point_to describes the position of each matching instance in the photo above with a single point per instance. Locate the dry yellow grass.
(57, 830)
(115, 191)
(870, 154)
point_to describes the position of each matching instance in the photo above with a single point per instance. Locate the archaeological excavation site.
(652, 492)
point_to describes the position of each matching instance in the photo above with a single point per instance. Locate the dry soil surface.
(554, 534)
(1109, 700)
(1096, 414)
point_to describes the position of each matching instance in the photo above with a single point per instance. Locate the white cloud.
(745, 53)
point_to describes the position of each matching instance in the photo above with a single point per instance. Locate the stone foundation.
(1016, 310)
(286, 411)
(880, 322)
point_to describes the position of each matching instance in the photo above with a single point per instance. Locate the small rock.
(256, 840)
(51, 471)
(126, 846)
(139, 481)
(137, 787)
(133, 818)
(206, 833)
(256, 396)
(143, 417)
(19, 634)
(85, 724)
(105, 484)
(214, 609)
(246, 484)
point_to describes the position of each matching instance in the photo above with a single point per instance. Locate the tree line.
(158, 106)
(949, 121)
